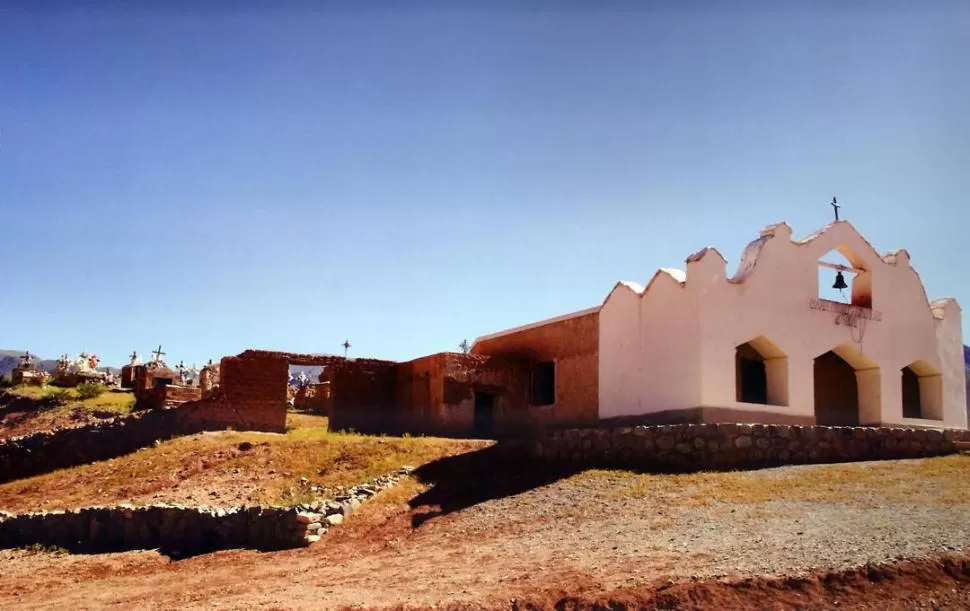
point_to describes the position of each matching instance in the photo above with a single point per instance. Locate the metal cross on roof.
(134, 354)
(836, 206)
(158, 353)
(26, 358)
(346, 346)
(465, 346)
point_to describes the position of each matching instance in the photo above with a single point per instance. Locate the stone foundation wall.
(187, 531)
(693, 447)
(175, 531)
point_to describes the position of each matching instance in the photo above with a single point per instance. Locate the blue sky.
(213, 179)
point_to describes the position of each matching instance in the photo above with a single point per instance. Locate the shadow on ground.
(458, 482)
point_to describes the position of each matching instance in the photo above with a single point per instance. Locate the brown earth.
(228, 469)
(23, 413)
(478, 531)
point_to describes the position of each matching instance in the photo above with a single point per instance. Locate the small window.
(544, 383)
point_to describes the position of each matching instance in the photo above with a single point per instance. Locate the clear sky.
(214, 178)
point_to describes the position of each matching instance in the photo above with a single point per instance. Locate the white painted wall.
(672, 345)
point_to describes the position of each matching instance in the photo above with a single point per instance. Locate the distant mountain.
(11, 358)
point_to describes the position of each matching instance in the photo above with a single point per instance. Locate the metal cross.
(134, 354)
(836, 206)
(464, 345)
(158, 354)
(26, 358)
(346, 346)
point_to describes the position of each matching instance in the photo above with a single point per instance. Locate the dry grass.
(275, 469)
(119, 401)
(892, 480)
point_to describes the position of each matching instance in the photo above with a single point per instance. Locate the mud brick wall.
(363, 396)
(252, 395)
(693, 447)
(574, 345)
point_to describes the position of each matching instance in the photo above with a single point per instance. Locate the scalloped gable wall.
(686, 333)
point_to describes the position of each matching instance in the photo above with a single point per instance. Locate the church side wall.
(949, 334)
(648, 351)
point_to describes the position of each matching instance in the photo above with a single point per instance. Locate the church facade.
(763, 345)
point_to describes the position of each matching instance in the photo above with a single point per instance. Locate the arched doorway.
(761, 373)
(847, 388)
(922, 391)
(836, 391)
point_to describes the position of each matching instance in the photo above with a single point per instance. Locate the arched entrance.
(846, 388)
(922, 391)
(761, 373)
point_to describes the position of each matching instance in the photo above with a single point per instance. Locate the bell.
(840, 281)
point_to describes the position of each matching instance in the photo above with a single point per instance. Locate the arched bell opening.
(844, 278)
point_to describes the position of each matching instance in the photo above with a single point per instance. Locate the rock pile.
(320, 515)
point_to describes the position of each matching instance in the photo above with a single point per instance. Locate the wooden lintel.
(841, 268)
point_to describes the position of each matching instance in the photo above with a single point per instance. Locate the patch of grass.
(895, 480)
(114, 400)
(39, 548)
(89, 390)
(276, 469)
(55, 397)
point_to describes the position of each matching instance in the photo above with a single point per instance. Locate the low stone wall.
(693, 447)
(175, 531)
(66, 447)
(186, 531)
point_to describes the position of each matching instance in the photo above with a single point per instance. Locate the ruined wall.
(573, 343)
(363, 396)
(128, 376)
(252, 395)
(693, 447)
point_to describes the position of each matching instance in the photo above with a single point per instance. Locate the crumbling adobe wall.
(696, 447)
(251, 397)
(573, 344)
(363, 396)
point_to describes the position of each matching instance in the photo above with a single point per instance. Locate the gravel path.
(583, 521)
(587, 534)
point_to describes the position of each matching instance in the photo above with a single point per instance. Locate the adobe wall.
(435, 394)
(573, 344)
(693, 447)
(363, 396)
(252, 395)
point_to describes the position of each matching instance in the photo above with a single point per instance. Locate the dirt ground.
(21, 412)
(472, 531)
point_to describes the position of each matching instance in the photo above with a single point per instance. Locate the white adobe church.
(762, 346)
